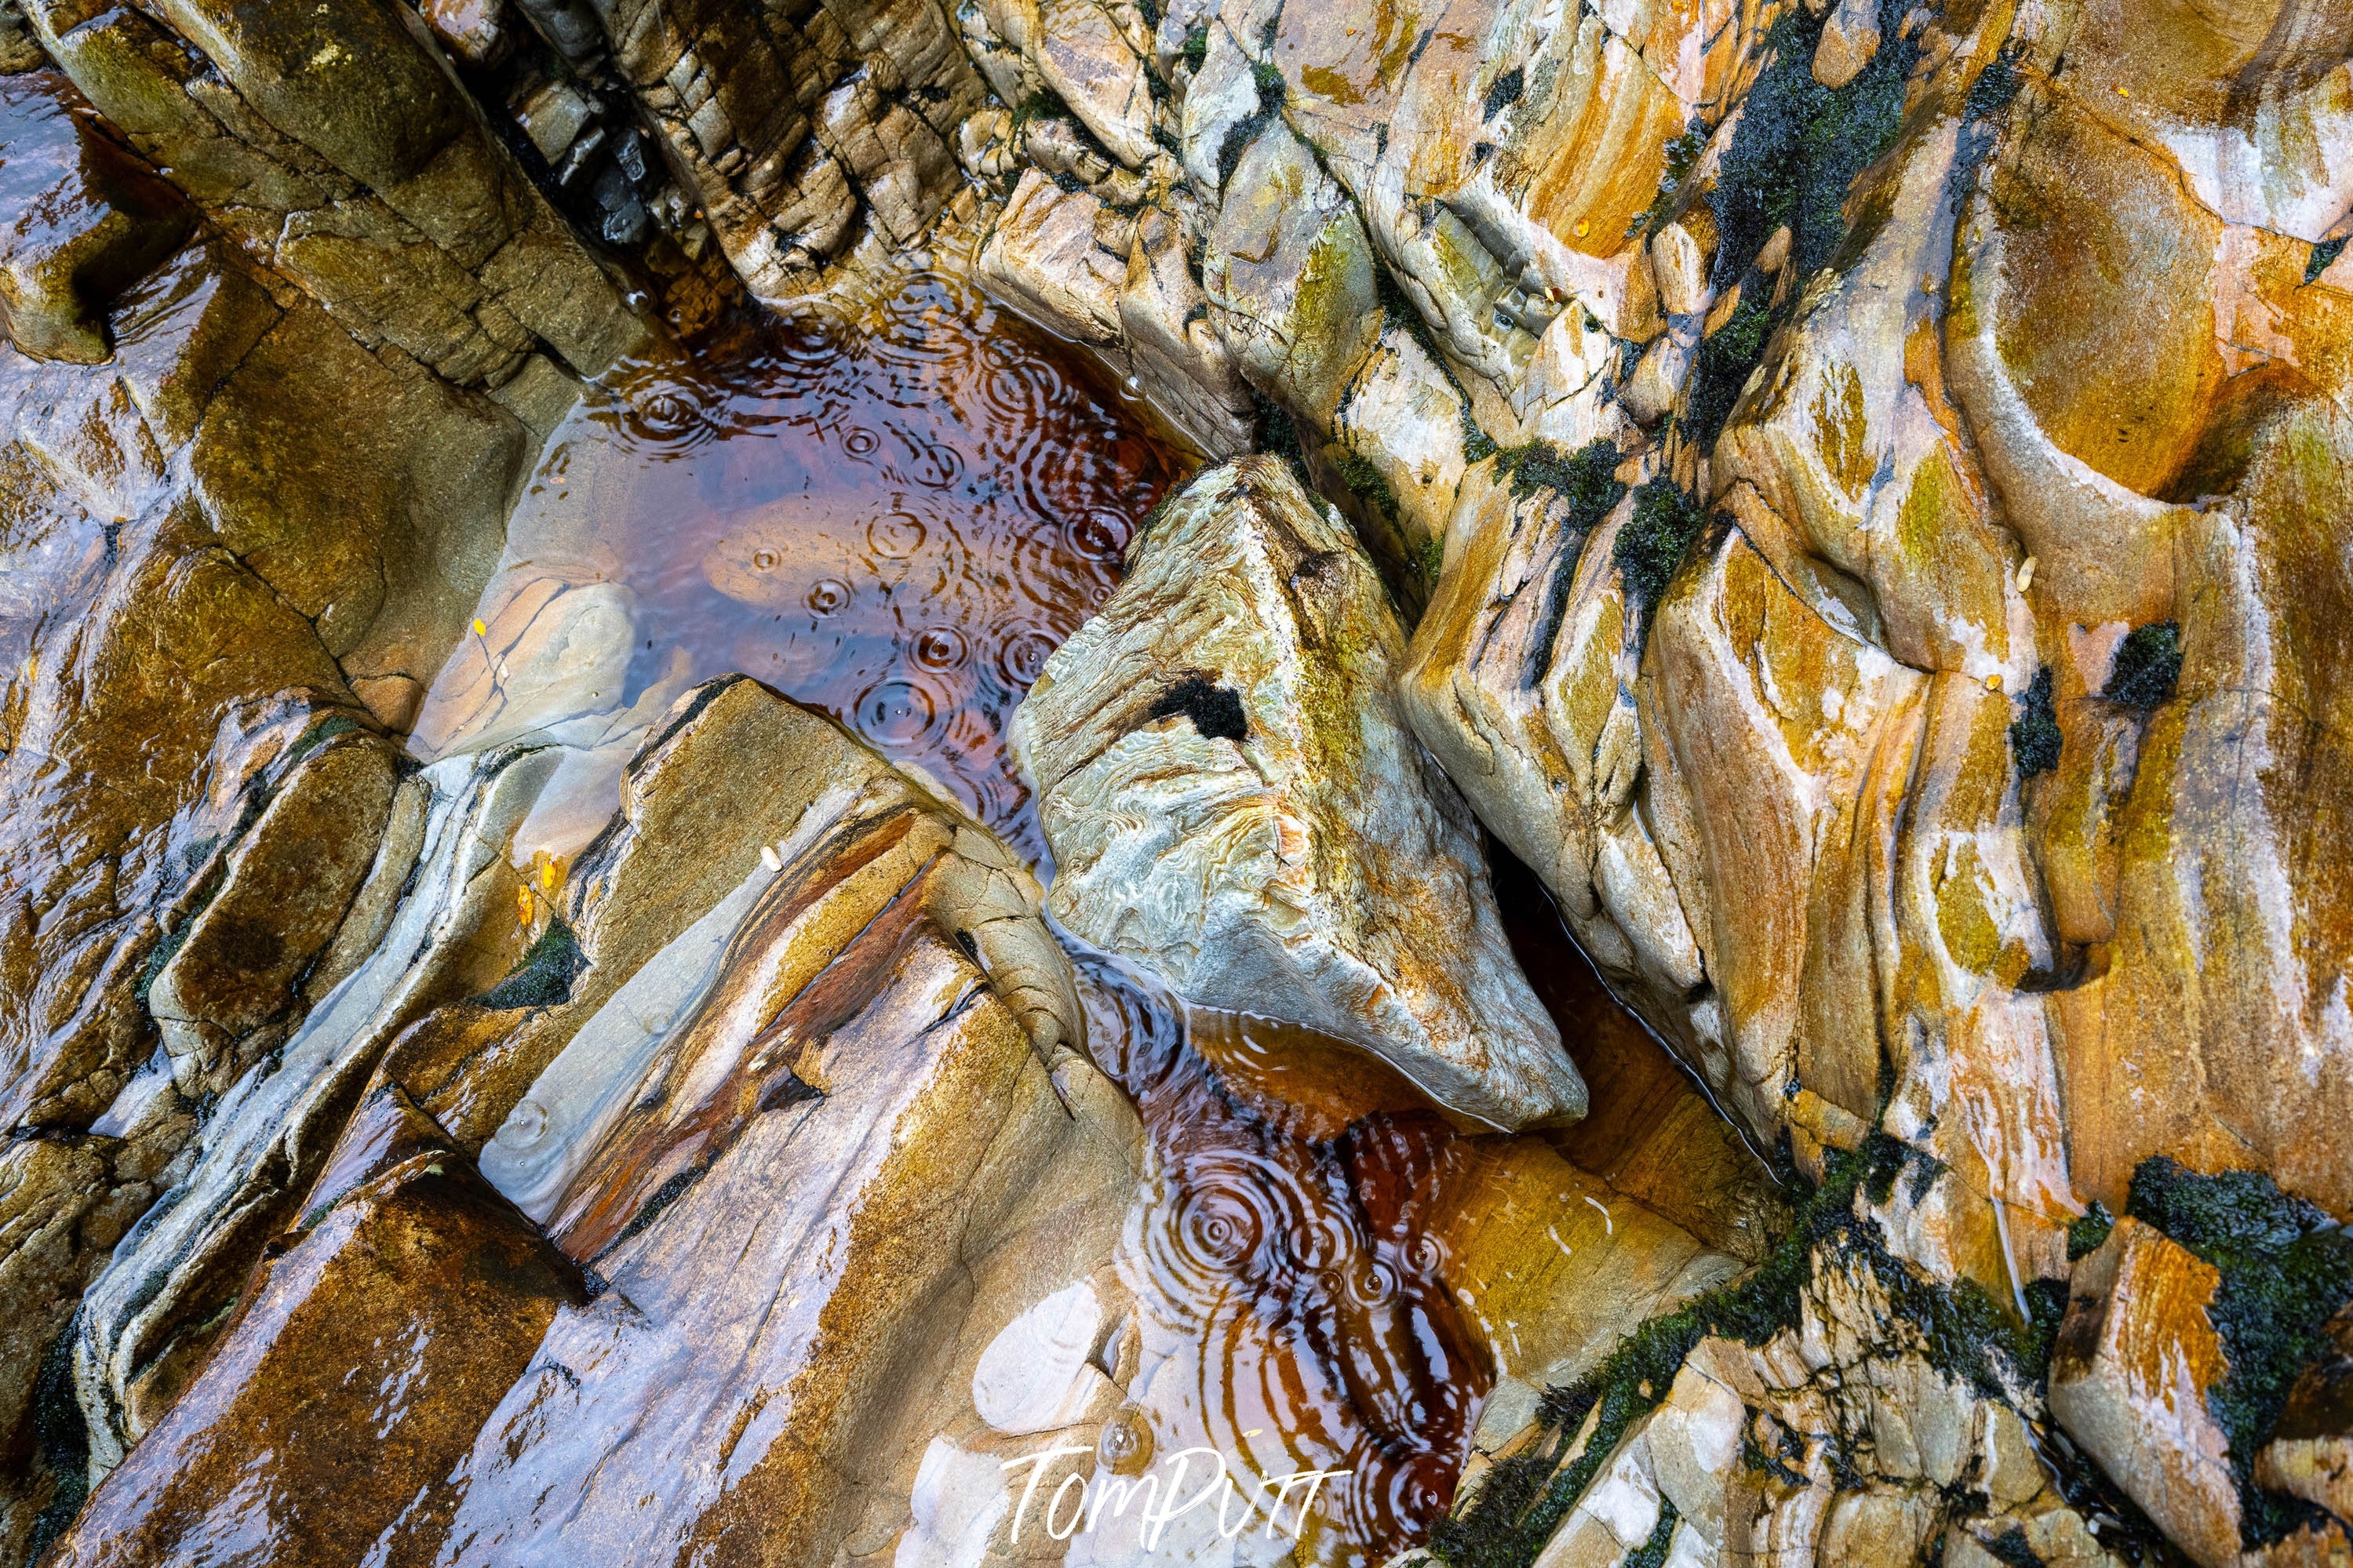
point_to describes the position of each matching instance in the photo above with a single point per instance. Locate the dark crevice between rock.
(1586, 488)
(1245, 130)
(669, 1193)
(61, 1442)
(1216, 710)
(1506, 92)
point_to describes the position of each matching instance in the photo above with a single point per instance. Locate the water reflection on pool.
(893, 515)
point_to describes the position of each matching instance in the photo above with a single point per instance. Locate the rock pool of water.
(894, 514)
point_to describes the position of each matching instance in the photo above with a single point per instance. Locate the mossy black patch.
(2085, 1235)
(1981, 111)
(1506, 92)
(1216, 710)
(1585, 480)
(2147, 666)
(1720, 369)
(2034, 733)
(1963, 1332)
(2011, 1546)
(1656, 538)
(1365, 482)
(2286, 1270)
(61, 1442)
(1196, 47)
(544, 975)
(1795, 155)
(1799, 144)
(2324, 255)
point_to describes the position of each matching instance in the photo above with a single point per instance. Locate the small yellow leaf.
(479, 629)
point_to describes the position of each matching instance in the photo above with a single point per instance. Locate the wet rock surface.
(1817, 521)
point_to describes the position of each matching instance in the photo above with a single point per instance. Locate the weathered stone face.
(1235, 803)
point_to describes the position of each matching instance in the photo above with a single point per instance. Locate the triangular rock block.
(1235, 803)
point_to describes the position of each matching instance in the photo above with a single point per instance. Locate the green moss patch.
(2324, 255)
(1799, 144)
(1720, 369)
(319, 733)
(2147, 666)
(1653, 545)
(1585, 480)
(2034, 733)
(545, 976)
(1365, 482)
(2085, 1235)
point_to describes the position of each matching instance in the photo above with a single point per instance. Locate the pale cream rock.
(1041, 260)
(1681, 271)
(552, 651)
(1694, 1438)
(1036, 1376)
(1085, 60)
(1235, 803)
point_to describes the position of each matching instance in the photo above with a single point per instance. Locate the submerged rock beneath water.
(1235, 803)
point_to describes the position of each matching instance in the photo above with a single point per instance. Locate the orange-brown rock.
(340, 150)
(85, 221)
(408, 1269)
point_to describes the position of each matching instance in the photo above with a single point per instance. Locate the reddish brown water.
(893, 517)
